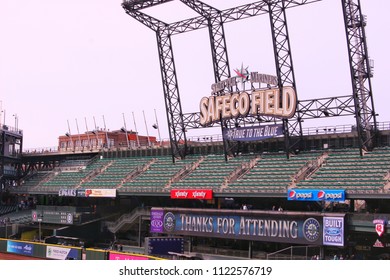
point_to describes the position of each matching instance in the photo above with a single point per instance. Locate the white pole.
(78, 132)
(86, 127)
(158, 127)
(70, 135)
(147, 132)
(127, 136)
(96, 132)
(16, 122)
(136, 130)
(105, 129)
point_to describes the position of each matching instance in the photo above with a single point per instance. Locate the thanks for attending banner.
(274, 226)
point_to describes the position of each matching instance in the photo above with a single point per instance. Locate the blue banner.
(273, 226)
(254, 133)
(333, 234)
(20, 248)
(316, 195)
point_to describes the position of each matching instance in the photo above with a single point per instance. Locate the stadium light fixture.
(124, 129)
(326, 113)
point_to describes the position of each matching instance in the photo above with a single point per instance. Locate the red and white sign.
(379, 226)
(191, 194)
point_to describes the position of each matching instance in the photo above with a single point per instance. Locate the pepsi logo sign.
(321, 195)
(293, 195)
(316, 195)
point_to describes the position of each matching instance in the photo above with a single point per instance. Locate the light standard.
(127, 136)
(105, 128)
(136, 131)
(147, 131)
(156, 126)
(16, 121)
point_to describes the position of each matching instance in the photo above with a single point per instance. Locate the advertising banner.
(272, 226)
(125, 257)
(61, 253)
(316, 195)
(156, 220)
(333, 234)
(380, 226)
(96, 193)
(20, 248)
(191, 194)
(67, 192)
(254, 133)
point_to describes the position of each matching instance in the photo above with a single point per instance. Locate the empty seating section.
(347, 170)
(74, 164)
(114, 173)
(34, 180)
(342, 169)
(272, 173)
(68, 179)
(158, 175)
(5, 209)
(211, 173)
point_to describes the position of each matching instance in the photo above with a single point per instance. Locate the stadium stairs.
(126, 220)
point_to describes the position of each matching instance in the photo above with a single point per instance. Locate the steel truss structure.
(214, 20)
(361, 73)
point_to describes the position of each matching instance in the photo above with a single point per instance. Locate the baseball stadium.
(265, 187)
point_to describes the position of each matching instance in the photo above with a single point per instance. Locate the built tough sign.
(273, 226)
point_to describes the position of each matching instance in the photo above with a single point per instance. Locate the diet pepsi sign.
(316, 195)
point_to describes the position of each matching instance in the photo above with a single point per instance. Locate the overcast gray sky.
(79, 59)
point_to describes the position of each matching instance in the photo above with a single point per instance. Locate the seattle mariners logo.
(169, 222)
(242, 74)
(311, 229)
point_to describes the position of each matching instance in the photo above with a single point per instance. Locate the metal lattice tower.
(284, 65)
(168, 73)
(361, 73)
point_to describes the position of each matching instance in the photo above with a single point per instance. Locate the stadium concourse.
(325, 199)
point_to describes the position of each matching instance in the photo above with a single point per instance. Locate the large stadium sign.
(272, 226)
(269, 101)
(265, 102)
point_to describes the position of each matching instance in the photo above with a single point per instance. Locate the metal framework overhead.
(360, 103)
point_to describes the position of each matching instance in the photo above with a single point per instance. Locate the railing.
(127, 218)
(11, 128)
(320, 130)
(309, 168)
